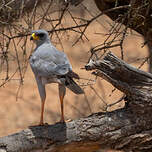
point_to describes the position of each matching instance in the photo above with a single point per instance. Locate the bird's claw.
(40, 124)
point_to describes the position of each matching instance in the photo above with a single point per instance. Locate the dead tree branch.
(133, 82)
(128, 129)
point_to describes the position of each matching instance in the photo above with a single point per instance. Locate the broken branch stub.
(135, 83)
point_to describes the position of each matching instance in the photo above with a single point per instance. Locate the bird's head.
(40, 36)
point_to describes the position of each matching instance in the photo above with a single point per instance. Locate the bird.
(50, 65)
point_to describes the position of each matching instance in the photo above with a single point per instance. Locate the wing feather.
(48, 61)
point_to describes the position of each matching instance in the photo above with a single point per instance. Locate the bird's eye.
(40, 34)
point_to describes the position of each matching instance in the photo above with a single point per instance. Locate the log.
(116, 130)
(136, 84)
(127, 129)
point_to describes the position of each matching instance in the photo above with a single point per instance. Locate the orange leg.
(62, 111)
(42, 112)
(62, 91)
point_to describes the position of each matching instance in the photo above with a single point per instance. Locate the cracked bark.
(128, 129)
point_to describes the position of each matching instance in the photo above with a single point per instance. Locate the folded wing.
(47, 61)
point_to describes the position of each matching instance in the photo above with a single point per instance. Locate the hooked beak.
(34, 37)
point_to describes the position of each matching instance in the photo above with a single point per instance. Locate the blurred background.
(19, 97)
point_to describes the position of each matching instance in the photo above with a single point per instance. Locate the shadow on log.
(127, 129)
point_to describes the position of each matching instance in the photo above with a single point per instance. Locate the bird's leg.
(42, 92)
(62, 91)
(42, 112)
(62, 110)
(41, 123)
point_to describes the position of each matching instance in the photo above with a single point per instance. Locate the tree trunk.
(128, 129)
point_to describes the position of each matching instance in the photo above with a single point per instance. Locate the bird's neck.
(41, 43)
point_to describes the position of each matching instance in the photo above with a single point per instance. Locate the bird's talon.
(46, 124)
(64, 121)
(36, 125)
(43, 124)
(69, 120)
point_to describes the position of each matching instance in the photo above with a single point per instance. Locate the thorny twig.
(17, 34)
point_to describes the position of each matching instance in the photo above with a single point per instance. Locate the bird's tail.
(74, 87)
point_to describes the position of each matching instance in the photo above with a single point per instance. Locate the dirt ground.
(18, 115)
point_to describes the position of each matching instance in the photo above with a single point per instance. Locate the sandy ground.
(18, 115)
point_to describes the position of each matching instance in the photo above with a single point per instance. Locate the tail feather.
(73, 75)
(74, 87)
(68, 81)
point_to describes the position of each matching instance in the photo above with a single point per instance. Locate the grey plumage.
(51, 66)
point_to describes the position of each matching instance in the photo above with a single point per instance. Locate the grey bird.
(51, 66)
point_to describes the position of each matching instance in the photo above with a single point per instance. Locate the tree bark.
(128, 129)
